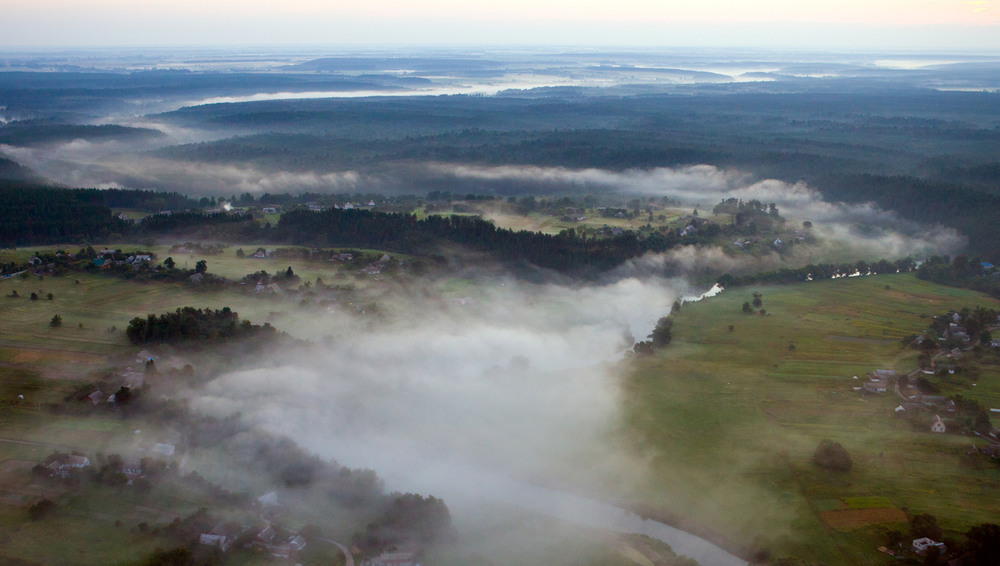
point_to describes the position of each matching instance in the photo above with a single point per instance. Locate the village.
(951, 353)
(225, 524)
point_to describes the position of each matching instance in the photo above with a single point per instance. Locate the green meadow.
(729, 419)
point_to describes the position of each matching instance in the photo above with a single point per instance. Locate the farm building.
(937, 425)
(922, 545)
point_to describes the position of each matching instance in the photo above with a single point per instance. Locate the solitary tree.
(201, 266)
(169, 263)
(832, 456)
(758, 299)
(56, 321)
(925, 525)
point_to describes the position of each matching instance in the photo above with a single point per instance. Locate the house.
(64, 464)
(922, 545)
(265, 536)
(219, 536)
(196, 278)
(689, 230)
(279, 542)
(132, 469)
(96, 397)
(692, 219)
(76, 462)
(163, 449)
(937, 425)
(269, 499)
(134, 379)
(394, 559)
(874, 386)
(289, 548)
(879, 380)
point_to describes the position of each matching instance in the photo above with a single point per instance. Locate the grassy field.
(730, 419)
(95, 309)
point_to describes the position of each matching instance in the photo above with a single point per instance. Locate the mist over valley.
(498, 305)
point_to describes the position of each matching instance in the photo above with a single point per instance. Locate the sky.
(961, 25)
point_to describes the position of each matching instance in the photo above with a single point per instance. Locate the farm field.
(729, 420)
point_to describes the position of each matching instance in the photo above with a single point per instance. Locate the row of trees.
(818, 272)
(190, 324)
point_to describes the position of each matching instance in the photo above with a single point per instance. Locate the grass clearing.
(730, 419)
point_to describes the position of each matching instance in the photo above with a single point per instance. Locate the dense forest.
(363, 228)
(930, 156)
(34, 214)
(30, 133)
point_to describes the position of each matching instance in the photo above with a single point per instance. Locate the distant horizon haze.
(969, 25)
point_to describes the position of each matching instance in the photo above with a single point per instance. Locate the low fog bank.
(846, 232)
(521, 380)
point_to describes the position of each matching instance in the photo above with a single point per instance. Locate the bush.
(832, 456)
(39, 510)
(56, 321)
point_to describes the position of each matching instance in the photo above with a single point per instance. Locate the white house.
(921, 545)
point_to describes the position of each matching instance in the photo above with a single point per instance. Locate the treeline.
(962, 272)
(190, 324)
(566, 251)
(36, 132)
(167, 222)
(818, 272)
(35, 215)
(32, 214)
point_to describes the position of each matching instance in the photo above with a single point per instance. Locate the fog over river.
(471, 396)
